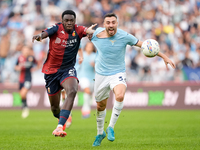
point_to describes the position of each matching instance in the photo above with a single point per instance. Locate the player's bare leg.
(55, 108)
(25, 109)
(71, 86)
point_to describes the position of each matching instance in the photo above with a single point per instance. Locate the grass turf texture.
(135, 130)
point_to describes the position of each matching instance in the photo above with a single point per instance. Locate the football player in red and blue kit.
(58, 69)
(26, 61)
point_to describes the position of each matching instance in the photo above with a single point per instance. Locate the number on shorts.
(120, 78)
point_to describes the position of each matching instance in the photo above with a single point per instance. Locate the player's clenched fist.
(37, 37)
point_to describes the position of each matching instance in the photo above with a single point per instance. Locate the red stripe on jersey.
(62, 47)
(21, 61)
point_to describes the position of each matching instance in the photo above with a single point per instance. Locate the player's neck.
(104, 34)
(68, 31)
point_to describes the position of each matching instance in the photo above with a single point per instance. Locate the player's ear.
(104, 24)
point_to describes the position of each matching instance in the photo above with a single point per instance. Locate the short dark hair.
(69, 12)
(110, 15)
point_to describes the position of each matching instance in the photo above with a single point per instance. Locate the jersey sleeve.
(96, 32)
(51, 30)
(82, 30)
(131, 40)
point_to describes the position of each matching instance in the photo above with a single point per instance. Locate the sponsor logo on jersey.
(58, 40)
(68, 43)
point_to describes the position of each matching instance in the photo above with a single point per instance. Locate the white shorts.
(86, 83)
(103, 84)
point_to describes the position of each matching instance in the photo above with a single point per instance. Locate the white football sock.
(86, 103)
(117, 108)
(100, 121)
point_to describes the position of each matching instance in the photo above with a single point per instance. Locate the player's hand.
(168, 61)
(90, 29)
(92, 26)
(92, 64)
(80, 60)
(37, 37)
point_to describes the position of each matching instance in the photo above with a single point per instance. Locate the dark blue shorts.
(26, 84)
(54, 81)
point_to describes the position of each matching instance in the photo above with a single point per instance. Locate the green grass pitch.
(135, 130)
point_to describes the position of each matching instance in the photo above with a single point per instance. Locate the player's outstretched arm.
(39, 37)
(166, 60)
(80, 53)
(160, 54)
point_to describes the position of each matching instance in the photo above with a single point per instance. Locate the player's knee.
(72, 92)
(55, 110)
(101, 106)
(119, 97)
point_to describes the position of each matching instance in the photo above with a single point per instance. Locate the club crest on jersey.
(112, 41)
(73, 34)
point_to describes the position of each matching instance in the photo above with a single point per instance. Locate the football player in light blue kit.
(111, 43)
(86, 74)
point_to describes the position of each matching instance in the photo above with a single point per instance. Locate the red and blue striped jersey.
(27, 64)
(63, 47)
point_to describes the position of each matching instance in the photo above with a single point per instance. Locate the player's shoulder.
(80, 28)
(123, 34)
(77, 26)
(98, 30)
(59, 24)
(54, 27)
(120, 31)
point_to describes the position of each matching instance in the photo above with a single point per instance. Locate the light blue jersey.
(110, 56)
(86, 70)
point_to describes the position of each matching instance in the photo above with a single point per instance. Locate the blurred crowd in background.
(175, 24)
